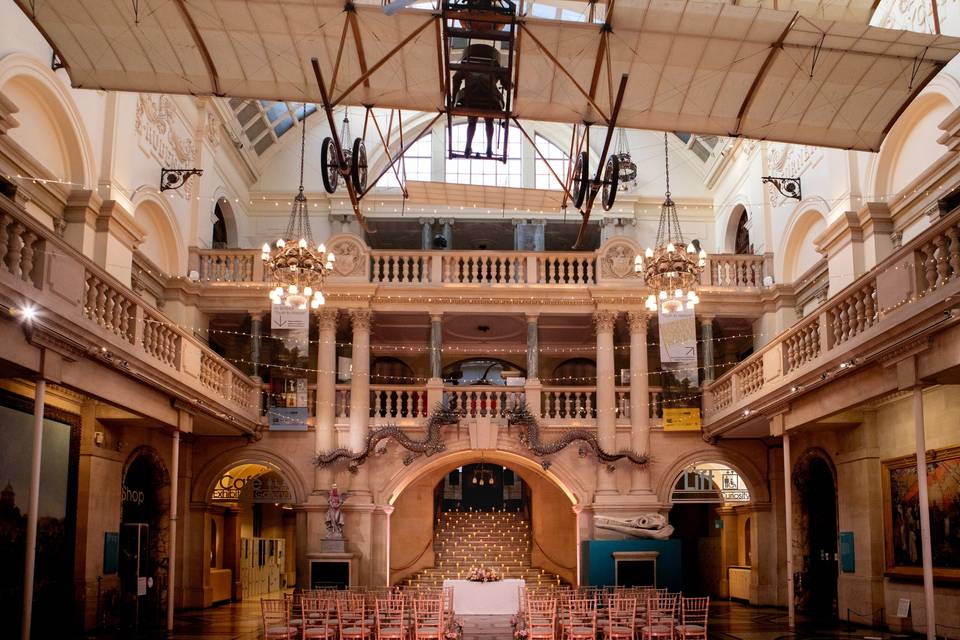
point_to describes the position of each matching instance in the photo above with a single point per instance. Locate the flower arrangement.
(520, 631)
(483, 574)
(454, 630)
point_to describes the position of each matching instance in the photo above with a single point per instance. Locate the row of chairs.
(619, 615)
(352, 615)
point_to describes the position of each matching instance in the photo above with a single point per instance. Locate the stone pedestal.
(333, 545)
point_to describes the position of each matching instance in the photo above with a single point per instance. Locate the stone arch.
(162, 242)
(158, 518)
(739, 462)
(910, 146)
(797, 252)
(51, 109)
(811, 531)
(225, 207)
(558, 473)
(733, 226)
(223, 462)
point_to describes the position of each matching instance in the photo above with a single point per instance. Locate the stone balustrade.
(358, 263)
(105, 318)
(483, 401)
(736, 270)
(921, 276)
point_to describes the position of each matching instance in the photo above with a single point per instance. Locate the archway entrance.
(711, 527)
(482, 513)
(817, 588)
(144, 540)
(250, 533)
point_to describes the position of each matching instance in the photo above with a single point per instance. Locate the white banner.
(284, 317)
(678, 344)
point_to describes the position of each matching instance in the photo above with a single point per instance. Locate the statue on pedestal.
(334, 520)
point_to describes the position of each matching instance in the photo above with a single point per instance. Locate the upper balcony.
(84, 311)
(730, 282)
(907, 297)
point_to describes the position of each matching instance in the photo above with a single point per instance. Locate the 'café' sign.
(269, 487)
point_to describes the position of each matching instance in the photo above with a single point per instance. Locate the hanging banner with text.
(678, 345)
(284, 317)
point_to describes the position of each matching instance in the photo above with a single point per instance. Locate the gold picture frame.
(901, 525)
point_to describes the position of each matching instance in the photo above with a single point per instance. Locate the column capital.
(638, 321)
(532, 317)
(361, 319)
(327, 318)
(436, 316)
(425, 220)
(705, 317)
(604, 320)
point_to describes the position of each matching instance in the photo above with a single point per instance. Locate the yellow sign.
(681, 419)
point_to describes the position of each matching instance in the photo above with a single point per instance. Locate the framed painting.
(901, 510)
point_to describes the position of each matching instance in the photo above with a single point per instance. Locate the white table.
(485, 598)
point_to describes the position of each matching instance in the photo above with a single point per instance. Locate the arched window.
(219, 228)
(742, 243)
(416, 163)
(559, 162)
(486, 172)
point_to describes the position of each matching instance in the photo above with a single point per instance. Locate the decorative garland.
(440, 417)
(530, 437)
(443, 416)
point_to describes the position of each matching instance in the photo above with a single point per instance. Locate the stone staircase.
(495, 540)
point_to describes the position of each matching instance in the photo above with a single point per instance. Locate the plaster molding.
(843, 231)
(112, 218)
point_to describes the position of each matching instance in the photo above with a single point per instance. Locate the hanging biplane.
(798, 71)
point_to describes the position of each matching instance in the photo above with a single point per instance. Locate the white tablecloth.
(485, 598)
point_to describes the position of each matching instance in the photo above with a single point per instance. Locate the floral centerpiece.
(483, 574)
(454, 630)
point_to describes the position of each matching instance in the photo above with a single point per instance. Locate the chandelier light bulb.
(280, 243)
(315, 303)
(266, 247)
(663, 295)
(649, 252)
(308, 291)
(637, 263)
(670, 247)
(678, 293)
(303, 243)
(691, 248)
(330, 257)
(322, 248)
(292, 289)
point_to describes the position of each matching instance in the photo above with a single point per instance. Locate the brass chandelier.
(672, 269)
(297, 265)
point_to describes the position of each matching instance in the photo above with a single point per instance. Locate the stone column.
(448, 232)
(925, 547)
(426, 233)
(436, 345)
(706, 344)
(326, 414)
(533, 389)
(606, 397)
(185, 424)
(256, 328)
(788, 521)
(39, 394)
(360, 393)
(533, 347)
(639, 397)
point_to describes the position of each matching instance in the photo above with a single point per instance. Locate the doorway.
(814, 481)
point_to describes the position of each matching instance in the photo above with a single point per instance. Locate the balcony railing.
(557, 404)
(870, 306)
(610, 263)
(41, 267)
